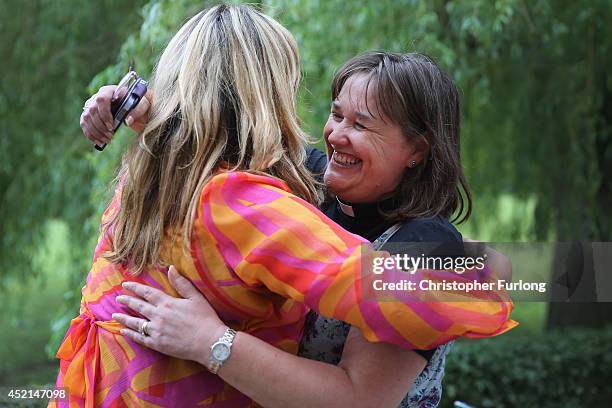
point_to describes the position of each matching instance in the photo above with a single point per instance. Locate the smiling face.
(368, 154)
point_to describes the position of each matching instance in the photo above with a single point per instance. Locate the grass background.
(30, 306)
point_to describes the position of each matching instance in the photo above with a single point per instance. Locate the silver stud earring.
(413, 163)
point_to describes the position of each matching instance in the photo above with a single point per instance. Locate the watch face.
(220, 351)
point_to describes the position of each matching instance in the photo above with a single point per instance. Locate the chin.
(343, 192)
(333, 187)
(341, 188)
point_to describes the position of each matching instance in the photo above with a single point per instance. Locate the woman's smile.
(345, 160)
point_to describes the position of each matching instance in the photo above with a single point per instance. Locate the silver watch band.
(227, 339)
(228, 336)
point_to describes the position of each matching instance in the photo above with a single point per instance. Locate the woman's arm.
(271, 238)
(370, 374)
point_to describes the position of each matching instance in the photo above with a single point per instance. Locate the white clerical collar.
(346, 208)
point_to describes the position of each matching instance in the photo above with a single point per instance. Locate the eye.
(359, 126)
(337, 117)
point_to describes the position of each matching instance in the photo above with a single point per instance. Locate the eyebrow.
(363, 116)
(359, 115)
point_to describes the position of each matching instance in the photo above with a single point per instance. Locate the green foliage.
(556, 369)
(27, 305)
(531, 317)
(50, 49)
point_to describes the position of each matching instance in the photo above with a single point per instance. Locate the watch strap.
(228, 339)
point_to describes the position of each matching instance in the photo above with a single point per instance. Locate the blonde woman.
(216, 185)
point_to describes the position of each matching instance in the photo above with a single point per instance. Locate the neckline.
(368, 211)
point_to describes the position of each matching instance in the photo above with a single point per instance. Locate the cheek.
(376, 157)
(388, 166)
(397, 170)
(397, 155)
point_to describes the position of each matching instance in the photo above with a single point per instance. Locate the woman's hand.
(498, 262)
(97, 119)
(185, 327)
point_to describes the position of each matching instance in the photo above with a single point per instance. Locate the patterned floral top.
(324, 341)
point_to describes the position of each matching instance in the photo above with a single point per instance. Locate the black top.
(368, 223)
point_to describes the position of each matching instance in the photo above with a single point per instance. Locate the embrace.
(232, 259)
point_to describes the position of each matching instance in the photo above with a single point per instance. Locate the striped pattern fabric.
(262, 257)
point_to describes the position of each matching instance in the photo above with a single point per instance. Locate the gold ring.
(143, 328)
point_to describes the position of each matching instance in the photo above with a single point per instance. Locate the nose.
(338, 136)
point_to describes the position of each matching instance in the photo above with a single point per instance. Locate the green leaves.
(560, 368)
(50, 51)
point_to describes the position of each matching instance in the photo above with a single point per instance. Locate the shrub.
(563, 368)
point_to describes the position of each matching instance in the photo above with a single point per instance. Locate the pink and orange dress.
(263, 258)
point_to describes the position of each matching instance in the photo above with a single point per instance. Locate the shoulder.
(237, 196)
(240, 184)
(430, 229)
(245, 178)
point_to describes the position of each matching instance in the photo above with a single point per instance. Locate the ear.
(420, 151)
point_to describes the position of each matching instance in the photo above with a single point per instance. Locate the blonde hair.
(225, 93)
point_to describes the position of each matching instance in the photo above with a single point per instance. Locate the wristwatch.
(221, 350)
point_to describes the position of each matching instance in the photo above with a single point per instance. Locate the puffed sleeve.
(270, 237)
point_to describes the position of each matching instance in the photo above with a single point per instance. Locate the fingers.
(134, 323)
(104, 132)
(138, 338)
(182, 285)
(141, 110)
(138, 305)
(152, 295)
(103, 101)
(96, 119)
(90, 130)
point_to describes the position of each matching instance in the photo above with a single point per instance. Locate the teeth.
(345, 159)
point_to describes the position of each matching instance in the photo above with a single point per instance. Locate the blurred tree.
(51, 50)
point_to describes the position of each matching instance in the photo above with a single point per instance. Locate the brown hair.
(225, 93)
(412, 91)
